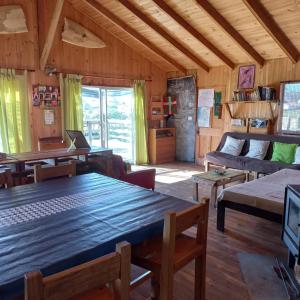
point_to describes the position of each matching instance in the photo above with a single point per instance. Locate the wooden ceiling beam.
(51, 33)
(219, 19)
(121, 24)
(268, 23)
(195, 33)
(164, 34)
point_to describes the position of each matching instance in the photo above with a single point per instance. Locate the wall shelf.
(253, 109)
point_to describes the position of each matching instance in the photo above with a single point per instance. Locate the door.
(108, 115)
(184, 90)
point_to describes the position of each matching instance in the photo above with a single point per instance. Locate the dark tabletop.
(57, 224)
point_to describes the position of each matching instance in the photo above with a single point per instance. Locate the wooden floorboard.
(243, 233)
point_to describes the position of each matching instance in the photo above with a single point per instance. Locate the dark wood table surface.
(61, 223)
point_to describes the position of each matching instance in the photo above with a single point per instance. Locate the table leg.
(213, 195)
(196, 196)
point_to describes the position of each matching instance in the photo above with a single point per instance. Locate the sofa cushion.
(258, 149)
(233, 146)
(247, 163)
(284, 153)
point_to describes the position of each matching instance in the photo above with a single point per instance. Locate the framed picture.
(246, 77)
(49, 116)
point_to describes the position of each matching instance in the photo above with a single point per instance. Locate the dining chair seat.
(149, 254)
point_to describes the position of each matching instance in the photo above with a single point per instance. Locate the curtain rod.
(84, 75)
(117, 78)
(99, 75)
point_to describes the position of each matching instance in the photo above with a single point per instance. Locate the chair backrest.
(111, 268)
(118, 167)
(44, 173)
(6, 179)
(176, 223)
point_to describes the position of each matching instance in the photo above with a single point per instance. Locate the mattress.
(266, 193)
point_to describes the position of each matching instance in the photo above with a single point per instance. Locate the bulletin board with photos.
(46, 96)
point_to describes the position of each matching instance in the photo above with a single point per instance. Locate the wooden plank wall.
(115, 65)
(225, 80)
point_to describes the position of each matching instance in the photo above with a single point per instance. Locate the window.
(290, 111)
(108, 117)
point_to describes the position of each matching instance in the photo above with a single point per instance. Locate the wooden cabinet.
(162, 145)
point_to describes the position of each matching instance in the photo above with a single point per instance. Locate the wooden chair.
(44, 173)
(6, 179)
(165, 256)
(84, 282)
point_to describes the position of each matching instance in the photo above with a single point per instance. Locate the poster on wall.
(206, 97)
(204, 116)
(49, 116)
(218, 104)
(205, 104)
(47, 94)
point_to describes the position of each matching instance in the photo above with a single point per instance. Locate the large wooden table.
(19, 159)
(57, 224)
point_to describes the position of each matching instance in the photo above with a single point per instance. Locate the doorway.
(108, 116)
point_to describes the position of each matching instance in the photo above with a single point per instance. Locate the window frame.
(104, 133)
(281, 104)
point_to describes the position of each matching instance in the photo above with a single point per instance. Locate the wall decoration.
(76, 34)
(218, 104)
(246, 77)
(49, 116)
(12, 19)
(204, 116)
(45, 94)
(205, 97)
(169, 105)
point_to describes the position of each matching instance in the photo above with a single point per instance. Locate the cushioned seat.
(266, 193)
(241, 162)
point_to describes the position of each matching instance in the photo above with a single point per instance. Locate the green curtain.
(72, 110)
(141, 151)
(14, 112)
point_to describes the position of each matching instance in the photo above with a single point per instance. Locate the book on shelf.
(259, 93)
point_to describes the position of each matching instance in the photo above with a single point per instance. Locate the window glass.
(290, 121)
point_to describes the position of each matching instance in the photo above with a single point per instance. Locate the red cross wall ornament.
(170, 106)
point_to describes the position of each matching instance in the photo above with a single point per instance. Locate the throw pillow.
(258, 149)
(284, 153)
(233, 146)
(297, 156)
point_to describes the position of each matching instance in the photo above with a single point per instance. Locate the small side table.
(214, 180)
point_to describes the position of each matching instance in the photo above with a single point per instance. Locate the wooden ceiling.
(191, 34)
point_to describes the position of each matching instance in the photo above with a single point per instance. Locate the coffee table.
(214, 180)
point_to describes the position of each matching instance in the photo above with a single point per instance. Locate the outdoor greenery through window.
(108, 119)
(290, 121)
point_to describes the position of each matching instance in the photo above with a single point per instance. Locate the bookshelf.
(251, 110)
(156, 108)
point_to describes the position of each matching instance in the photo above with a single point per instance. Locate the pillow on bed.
(297, 156)
(258, 149)
(233, 146)
(284, 153)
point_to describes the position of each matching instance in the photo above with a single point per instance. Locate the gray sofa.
(241, 162)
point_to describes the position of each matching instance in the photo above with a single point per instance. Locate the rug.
(261, 280)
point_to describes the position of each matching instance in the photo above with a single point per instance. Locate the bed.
(263, 197)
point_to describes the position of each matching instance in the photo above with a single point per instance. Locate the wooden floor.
(243, 234)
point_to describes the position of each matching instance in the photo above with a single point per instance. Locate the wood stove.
(291, 232)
